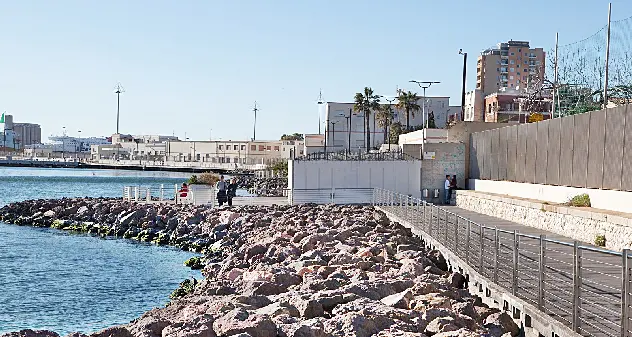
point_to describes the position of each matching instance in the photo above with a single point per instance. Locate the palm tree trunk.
(407, 119)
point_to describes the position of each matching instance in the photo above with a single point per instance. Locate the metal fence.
(330, 196)
(584, 287)
(590, 150)
(196, 194)
(360, 156)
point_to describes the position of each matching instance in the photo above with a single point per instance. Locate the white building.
(68, 144)
(474, 106)
(338, 115)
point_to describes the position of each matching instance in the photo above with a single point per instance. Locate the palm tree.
(384, 118)
(364, 103)
(407, 101)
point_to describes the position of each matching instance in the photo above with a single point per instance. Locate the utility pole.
(555, 89)
(118, 91)
(333, 138)
(254, 130)
(605, 86)
(464, 78)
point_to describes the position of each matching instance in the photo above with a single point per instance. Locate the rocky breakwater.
(295, 271)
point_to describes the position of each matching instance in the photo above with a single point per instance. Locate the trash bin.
(436, 193)
(425, 193)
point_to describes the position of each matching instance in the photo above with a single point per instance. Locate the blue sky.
(192, 66)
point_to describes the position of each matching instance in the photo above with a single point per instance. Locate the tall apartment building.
(511, 65)
(28, 133)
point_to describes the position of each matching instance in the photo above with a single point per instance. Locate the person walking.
(448, 191)
(222, 187)
(232, 191)
(453, 187)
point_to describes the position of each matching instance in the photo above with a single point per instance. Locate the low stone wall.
(583, 224)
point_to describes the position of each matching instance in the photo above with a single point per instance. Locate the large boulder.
(239, 321)
(501, 323)
(31, 333)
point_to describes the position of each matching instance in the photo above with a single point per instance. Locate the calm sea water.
(54, 280)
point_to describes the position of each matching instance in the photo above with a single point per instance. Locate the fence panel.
(541, 151)
(475, 172)
(521, 156)
(566, 150)
(553, 153)
(502, 153)
(512, 147)
(581, 136)
(494, 139)
(531, 159)
(613, 155)
(596, 149)
(626, 172)
(487, 148)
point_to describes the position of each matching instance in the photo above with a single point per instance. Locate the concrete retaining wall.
(617, 201)
(582, 224)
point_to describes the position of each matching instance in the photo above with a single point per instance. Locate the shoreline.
(292, 271)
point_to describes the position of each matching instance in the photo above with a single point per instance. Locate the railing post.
(333, 195)
(456, 234)
(577, 284)
(541, 270)
(162, 192)
(625, 292)
(481, 262)
(496, 252)
(514, 282)
(445, 220)
(467, 241)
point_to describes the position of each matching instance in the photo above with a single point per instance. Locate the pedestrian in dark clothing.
(453, 183)
(222, 187)
(232, 191)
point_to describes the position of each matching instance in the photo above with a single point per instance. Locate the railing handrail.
(608, 280)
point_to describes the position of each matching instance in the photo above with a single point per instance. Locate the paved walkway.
(600, 274)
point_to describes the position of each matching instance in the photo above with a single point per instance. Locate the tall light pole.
(63, 142)
(333, 138)
(118, 90)
(254, 130)
(320, 102)
(463, 88)
(79, 145)
(424, 85)
(349, 131)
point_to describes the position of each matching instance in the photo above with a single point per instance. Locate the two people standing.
(226, 191)
(450, 185)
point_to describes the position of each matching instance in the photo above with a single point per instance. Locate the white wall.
(399, 176)
(618, 201)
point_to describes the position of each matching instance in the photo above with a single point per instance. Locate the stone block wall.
(582, 224)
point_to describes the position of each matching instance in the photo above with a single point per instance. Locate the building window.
(518, 82)
(235, 147)
(519, 50)
(518, 73)
(512, 61)
(221, 147)
(262, 148)
(512, 69)
(269, 148)
(511, 77)
(512, 54)
(253, 147)
(524, 78)
(276, 148)
(243, 147)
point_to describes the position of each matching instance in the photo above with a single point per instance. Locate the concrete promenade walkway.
(589, 290)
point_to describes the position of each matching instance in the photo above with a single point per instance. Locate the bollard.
(577, 285)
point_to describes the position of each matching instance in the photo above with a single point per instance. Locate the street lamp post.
(424, 85)
(463, 87)
(63, 142)
(333, 137)
(78, 145)
(348, 118)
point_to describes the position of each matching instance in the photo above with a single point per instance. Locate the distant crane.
(254, 131)
(118, 90)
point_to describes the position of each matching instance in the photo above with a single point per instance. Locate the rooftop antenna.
(320, 102)
(118, 90)
(254, 130)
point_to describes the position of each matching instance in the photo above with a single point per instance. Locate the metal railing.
(196, 194)
(584, 287)
(330, 196)
(357, 156)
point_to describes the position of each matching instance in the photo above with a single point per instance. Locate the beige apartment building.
(512, 65)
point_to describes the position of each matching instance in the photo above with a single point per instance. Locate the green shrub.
(582, 200)
(186, 287)
(193, 180)
(600, 240)
(279, 168)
